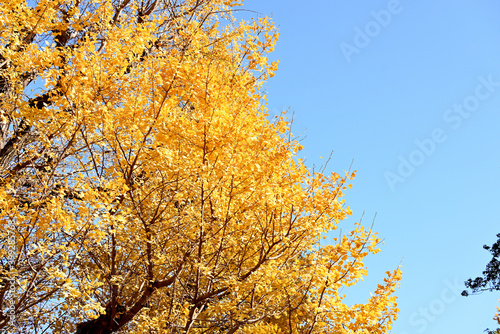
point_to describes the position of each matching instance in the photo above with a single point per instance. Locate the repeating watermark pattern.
(420, 319)
(363, 36)
(10, 279)
(454, 117)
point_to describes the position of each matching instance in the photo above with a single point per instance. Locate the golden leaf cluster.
(144, 188)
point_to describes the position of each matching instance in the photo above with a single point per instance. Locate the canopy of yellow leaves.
(144, 188)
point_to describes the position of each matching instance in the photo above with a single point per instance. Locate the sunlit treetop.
(145, 189)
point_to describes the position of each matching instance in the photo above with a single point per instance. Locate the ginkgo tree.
(144, 188)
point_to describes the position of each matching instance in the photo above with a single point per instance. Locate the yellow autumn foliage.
(144, 188)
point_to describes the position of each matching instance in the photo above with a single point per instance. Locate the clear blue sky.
(414, 99)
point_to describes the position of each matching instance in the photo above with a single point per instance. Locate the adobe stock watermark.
(420, 319)
(11, 251)
(454, 117)
(371, 29)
